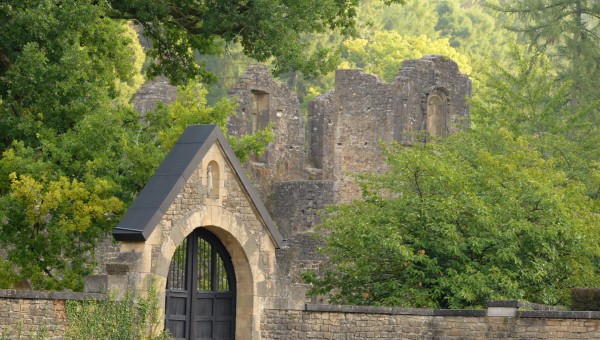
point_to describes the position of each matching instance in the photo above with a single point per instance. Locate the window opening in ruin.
(259, 109)
(436, 115)
(212, 179)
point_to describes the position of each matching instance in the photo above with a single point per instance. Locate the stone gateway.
(199, 231)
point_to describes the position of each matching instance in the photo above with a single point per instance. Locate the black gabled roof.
(169, 179)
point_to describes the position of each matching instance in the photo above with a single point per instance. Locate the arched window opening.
(435, 123)
(259, 110)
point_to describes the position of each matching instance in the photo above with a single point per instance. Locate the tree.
(60, 62)
(568, 32)
(527, 98)
(480, 215)
(60, 198)
(384, 52)
(266, 29)
(74, 153)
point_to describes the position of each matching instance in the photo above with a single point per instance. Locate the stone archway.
(246, 256)
(201, 289)
(436, 115)
(200, 185)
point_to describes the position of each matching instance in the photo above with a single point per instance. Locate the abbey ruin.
(313, 159)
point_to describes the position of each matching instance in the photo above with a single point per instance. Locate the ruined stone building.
(225, 250)
(227, 247)
(313, 159)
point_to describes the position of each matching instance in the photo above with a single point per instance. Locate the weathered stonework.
(26, 314)
(296, 206)
(348, 322)
(262, 101)
(219, 201)
(152, 92)
(346, 125)
(344, 129)
(301, 173)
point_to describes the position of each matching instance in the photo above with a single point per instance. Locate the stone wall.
(152, 92)
(416, 81)
(351, 322)
(321, 127)
(295, 206)
(41, 315)
(262, 101)
(26, 314)
(346, 125)
(306, 169)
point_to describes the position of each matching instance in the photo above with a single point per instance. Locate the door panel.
(207, 311)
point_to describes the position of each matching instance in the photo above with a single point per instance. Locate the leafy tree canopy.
(74, 153)
(480, 215)
(265, 28)
(384, 52)
(566, 31)
(59, 199)
(527, 98)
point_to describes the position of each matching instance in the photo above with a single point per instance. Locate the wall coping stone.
(525, 305)
(48, 295)
(460, 312)
(394, 310)
(559, 314)
(548, 314)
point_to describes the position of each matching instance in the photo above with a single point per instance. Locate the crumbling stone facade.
(307, 169)
(263, 102)
(152, 92)
(346, 125)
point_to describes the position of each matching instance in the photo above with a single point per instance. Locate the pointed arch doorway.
(201, 289)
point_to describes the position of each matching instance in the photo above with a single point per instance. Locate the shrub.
(585, 299)
(132, 317)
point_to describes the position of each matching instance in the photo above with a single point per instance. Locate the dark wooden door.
(201, 289)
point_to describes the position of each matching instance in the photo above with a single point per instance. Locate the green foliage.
(480, 215)
(566, 31)
(267, 30)
(585, 299)
(16, 333)
(59, 63)
(528, 98)
(132, 317)
(74, 153)
(60, 198)
(48, 221)
(384, 52)
(191, 108)
(8, 276)
(386, 35)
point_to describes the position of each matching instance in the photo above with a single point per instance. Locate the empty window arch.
(436, 118)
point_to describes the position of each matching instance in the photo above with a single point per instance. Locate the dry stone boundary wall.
(41, 315)
(28, 314)
(352, 322)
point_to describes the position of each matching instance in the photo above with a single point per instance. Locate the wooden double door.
(200, 295)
